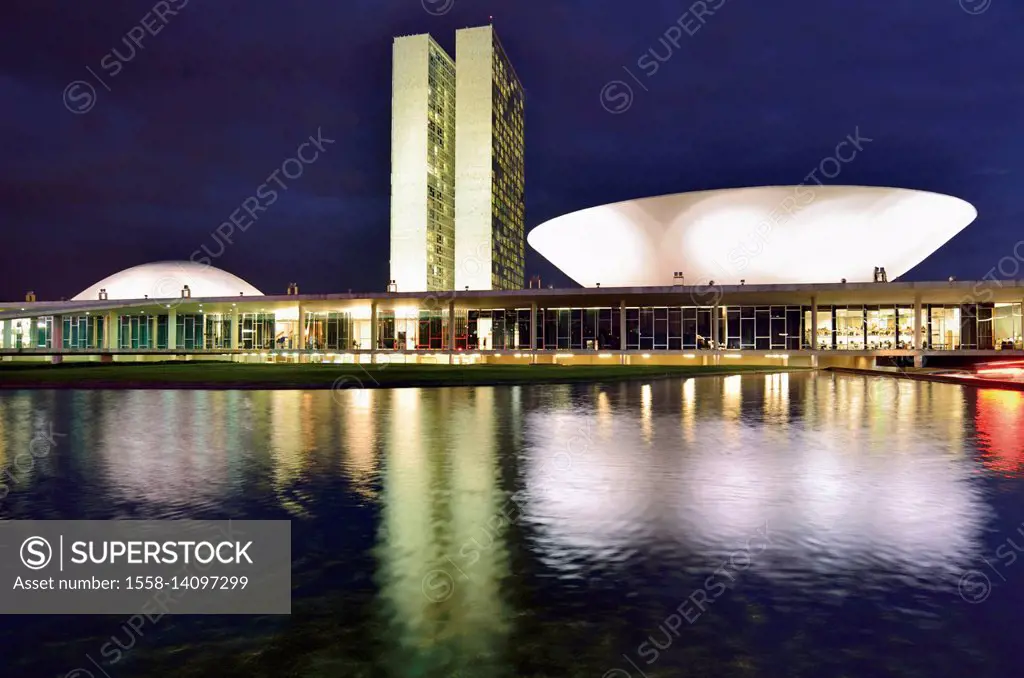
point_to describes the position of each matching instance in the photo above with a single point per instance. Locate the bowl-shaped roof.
(166, 279)
(763, 235)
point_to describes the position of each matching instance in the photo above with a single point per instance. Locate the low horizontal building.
(826, 323)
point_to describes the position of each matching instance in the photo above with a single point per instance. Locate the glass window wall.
(40, 332)
(1006, 326)
(327, 331)
(943, 327)
(188, 332)
(905, 324)
(850, 328)
(82, 332)
(433, 331)
(218, 330)
(256, 331)
(136, 332)
(508, 329)
(881, 327)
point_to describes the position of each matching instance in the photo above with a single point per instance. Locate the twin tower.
(457, 165)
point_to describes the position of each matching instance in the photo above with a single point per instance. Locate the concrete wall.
(859, 362)
(409, 138)
(474, 53)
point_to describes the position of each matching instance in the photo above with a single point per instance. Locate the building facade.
(457, 165)
(490, 165)
(422, 165)
(852, 324)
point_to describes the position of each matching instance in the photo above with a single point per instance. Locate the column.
(9, 333)
(111, 330)
(172, 329)
(451, 326)
(716, 319)
(533, 327)
(154, 328)
(374, 330)
(300, 337)
(57, 339)
(835, 331)
(814, 323)
(94, 331)
(622, 331)
(864, 326)
(917, 323)
(202, 341)
(57, 333)
(622, 325)
(235, 329)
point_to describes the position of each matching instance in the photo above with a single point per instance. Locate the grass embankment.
(221, 375)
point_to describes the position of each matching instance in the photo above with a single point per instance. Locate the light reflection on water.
(494, 531)
(854, 487)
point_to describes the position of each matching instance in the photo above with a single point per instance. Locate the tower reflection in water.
(442, 549)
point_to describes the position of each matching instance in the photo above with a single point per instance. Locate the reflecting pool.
(757, 525)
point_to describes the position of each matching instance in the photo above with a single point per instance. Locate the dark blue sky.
(199, 117)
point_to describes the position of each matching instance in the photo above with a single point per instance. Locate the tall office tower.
(422, 166)
(489, 165)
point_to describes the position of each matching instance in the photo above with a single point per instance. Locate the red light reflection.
(999, 422)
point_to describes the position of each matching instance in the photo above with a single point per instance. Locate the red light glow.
(1004, 367)
(1014, 371)
(999, 420)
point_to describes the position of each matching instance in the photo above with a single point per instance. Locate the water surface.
(779, 525)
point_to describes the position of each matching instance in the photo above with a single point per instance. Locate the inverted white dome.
(763, 235)
(166, 279)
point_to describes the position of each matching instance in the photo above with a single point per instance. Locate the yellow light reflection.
(646, 399)
(732, 390)
(604, 413)
(689, 410)
(776, 397)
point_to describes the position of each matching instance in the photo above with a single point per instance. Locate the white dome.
(166, 279)
(763, 235)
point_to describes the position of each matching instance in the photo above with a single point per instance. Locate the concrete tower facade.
(457, 165)
(422, 166)
(489, 165)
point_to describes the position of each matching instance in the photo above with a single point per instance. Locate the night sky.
(225, 91)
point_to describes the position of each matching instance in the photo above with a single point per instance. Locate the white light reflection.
(839, 497)
(140, 467)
